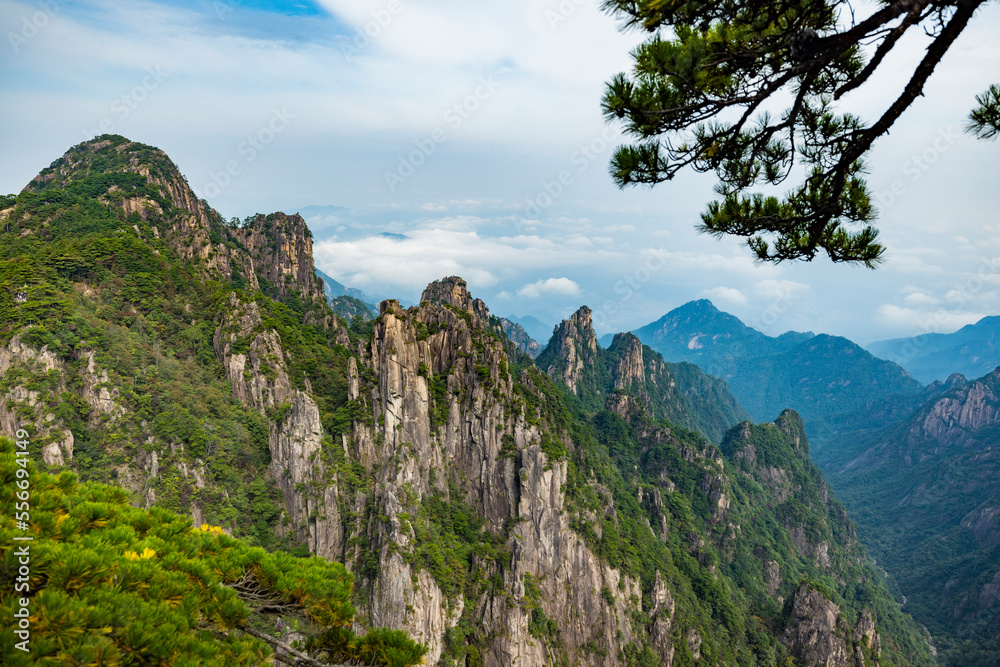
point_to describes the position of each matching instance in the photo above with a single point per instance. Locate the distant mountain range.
(347, 302)
(820, 376)
(973, 351)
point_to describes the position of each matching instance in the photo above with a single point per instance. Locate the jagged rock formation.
(520, 338)
(817, 633)
(260, 379)
(501, 511)
(680, 393)
(443, 424)
(572, 349)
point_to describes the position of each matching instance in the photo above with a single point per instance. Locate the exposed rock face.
(772, 577)
(520, 338)
(573, 347)
(630, 367)
(817, 634)
(438, 392)
(984, 522)
(255, 366)
(957, 415)
(663, 616)
(21, 408)
(813, 634)
(280, 247)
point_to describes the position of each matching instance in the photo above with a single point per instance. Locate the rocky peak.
(959, 415)
(452, 291)
(281, 248)
(92, 165)
(956, 380)
(519, 337)
(790, 423)
(572, 347)
(629, 366)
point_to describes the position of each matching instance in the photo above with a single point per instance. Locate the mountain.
(534, 327)
(516, 334)
(925, 492)
(973, 350)
(495, 509)
(680, 393)
(702, 334)
(819, 376)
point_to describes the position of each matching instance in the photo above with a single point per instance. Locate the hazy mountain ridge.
(495, 512)
(534, 327)
(819, 376)
(973, 350)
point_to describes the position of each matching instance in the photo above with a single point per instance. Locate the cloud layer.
(474, 131)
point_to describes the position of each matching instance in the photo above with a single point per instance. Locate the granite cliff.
(500, 510)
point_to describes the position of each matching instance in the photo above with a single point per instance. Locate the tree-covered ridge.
(111, 584)
(125, 304)
(923, 489)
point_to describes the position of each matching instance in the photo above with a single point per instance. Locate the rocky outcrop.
(959, 414)
(629, 366)
(21, 407)
(520, 338)
(663, 616)
(572, 348)
(813, 634)
(255, 365)
(280, 248)
(817, 634)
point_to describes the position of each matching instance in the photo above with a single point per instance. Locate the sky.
(449, 137)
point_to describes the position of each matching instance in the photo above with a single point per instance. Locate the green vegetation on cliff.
(110, 584)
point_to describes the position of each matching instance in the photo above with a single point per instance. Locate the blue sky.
(471, 132)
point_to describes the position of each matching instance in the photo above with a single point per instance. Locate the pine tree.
(703, 95)
(111, 584)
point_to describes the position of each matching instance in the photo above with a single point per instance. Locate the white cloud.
(725, 294)
(549, 286)
(925, 321)
(920, 299)
(771, 288)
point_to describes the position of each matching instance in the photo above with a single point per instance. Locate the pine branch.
(298, 659)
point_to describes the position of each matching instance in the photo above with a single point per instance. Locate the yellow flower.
(146, 553)
(216, 530)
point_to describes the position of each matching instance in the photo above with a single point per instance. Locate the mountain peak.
(573, 345)
(103, 155)
(453, 291)
(698, 305)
